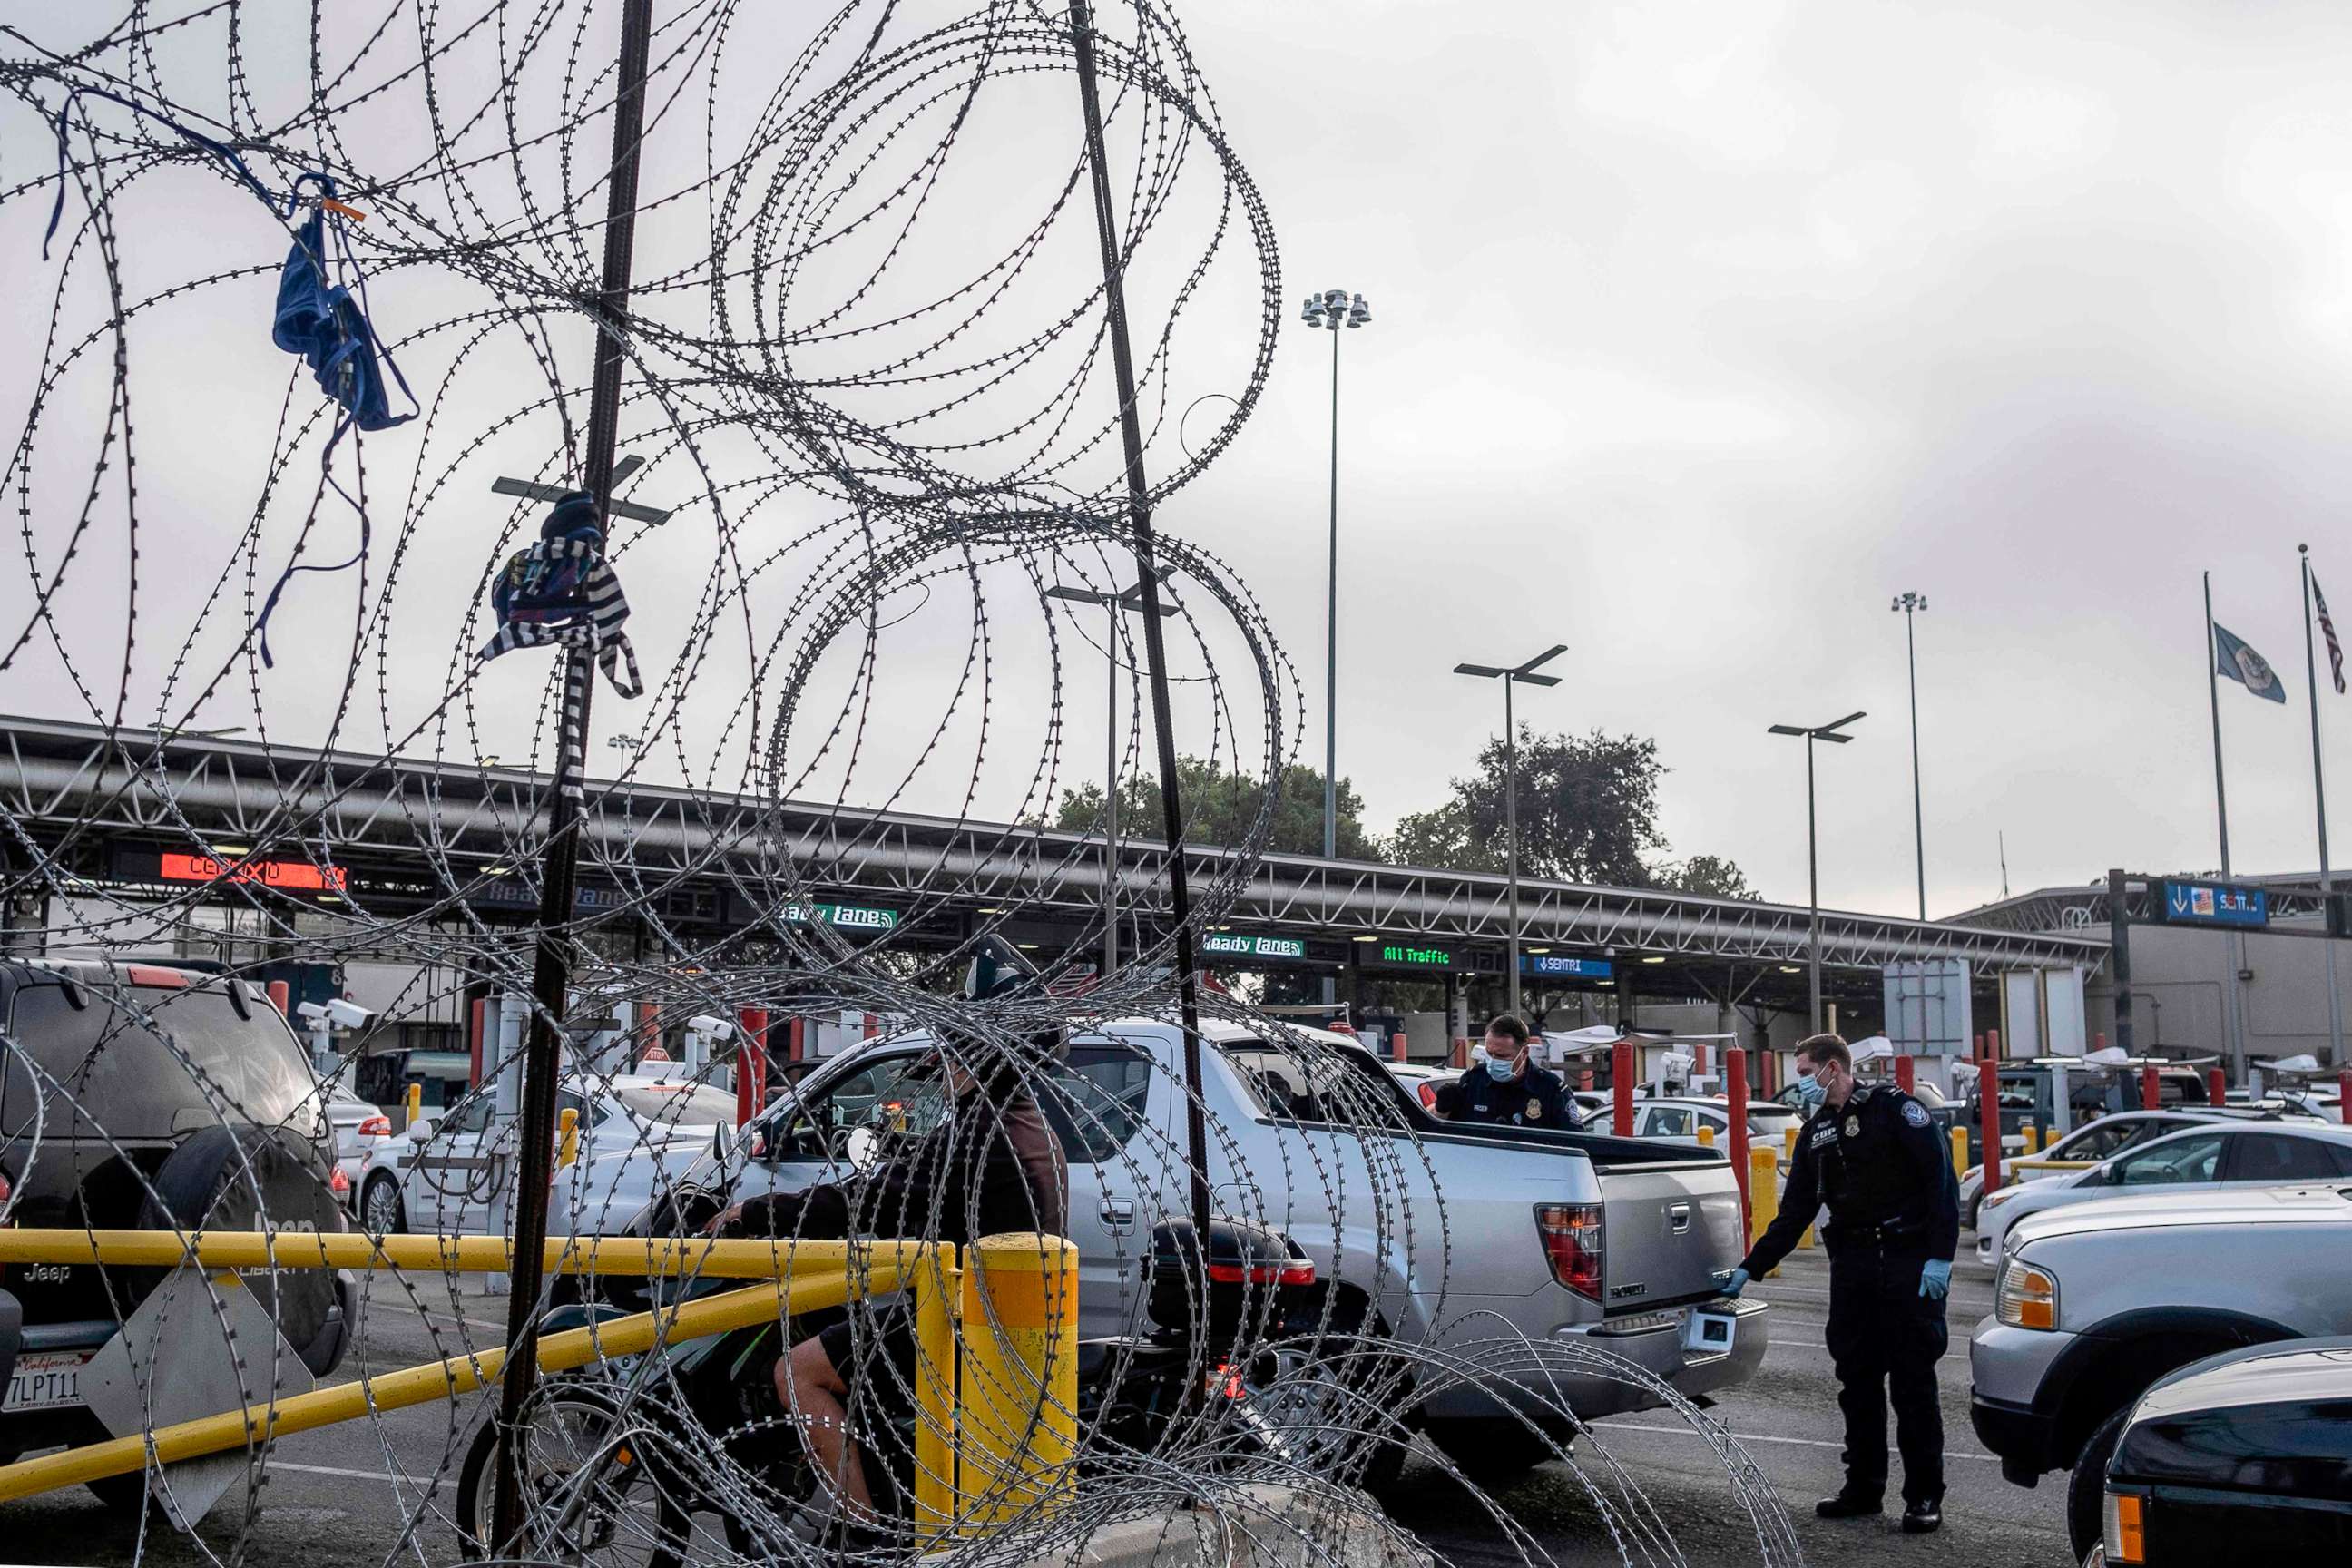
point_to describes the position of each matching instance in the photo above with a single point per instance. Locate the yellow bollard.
(1789, 1143)
(415, 1105)
(2032, 1137)
(567, 1136)
(1018, 1429)
(1705, 1136)
(1763, 1191)
(1959, 1149)
(938, 1296)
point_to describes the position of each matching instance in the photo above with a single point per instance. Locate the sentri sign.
(1241, 944)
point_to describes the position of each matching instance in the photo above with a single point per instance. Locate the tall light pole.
(1912, 604)
(1132, 599)
(1516, 673)
(1332, 309)
(1812, 732)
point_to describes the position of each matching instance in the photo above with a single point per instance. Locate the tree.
(1709, 875)
(1588, 810)
(1220, 807)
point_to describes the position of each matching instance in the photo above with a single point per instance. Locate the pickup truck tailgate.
(1666, 1229)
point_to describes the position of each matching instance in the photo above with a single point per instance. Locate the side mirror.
(420, 1129)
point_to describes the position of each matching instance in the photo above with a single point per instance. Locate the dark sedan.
(2242, 1457)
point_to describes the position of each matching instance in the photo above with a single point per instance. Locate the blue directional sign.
(2215, 904)
(1565, 968)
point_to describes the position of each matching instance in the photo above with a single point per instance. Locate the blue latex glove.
(1732, 1281)
(1936, 1279)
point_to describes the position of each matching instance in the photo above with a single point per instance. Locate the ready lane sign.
(1565, 968)
(847, 917)
(2215, 904)
(1236, 944)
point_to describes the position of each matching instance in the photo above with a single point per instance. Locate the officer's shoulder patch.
(1915, 1113)
(1826, 1133)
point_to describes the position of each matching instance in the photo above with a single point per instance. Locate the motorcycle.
(670, 1458)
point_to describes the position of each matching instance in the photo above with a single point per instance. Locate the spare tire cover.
(256, 1178)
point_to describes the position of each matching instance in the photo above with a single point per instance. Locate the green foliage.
(1587, 811)
(1710, 875)
(1219, 806)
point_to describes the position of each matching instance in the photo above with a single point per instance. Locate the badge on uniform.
(1915, 1113)
(1853, 1126)
(1535, 1109)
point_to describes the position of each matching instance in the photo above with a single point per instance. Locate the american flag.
(2327, 631)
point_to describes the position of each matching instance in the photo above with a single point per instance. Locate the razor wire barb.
(868, 424)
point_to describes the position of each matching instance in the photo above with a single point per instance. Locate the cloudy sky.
(1701, 330)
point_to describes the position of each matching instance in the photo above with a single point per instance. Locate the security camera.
(347, 1014)
(710, 1026)
(313, 1014)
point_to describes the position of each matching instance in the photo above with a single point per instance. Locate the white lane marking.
(1763, 1438)
(383, 1475)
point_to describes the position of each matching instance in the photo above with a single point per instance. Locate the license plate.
(47, 1380)
(1710, 1333)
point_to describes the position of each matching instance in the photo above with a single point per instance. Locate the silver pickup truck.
(1464, 1238)
(2094, 1302)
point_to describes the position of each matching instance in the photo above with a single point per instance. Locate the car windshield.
(125, 1082)
(681, 1104)
(1767, 1120)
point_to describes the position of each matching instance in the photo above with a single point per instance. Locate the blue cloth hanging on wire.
(319, 316)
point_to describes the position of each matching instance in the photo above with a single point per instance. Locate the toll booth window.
(1313, 1082)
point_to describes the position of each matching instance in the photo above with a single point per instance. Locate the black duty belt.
(1889, 1234)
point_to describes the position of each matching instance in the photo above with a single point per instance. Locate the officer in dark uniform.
(1871, 1152)
(1509, 1089)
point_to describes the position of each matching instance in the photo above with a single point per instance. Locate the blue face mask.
(1502, 1070)
(1809, 1093)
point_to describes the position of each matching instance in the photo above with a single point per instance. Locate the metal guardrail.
(996, 1430)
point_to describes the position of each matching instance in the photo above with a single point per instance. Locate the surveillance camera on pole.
(324, 1020)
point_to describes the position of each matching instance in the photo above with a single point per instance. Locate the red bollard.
(2343, 1095)
(750, 1063)
(799, 1037)
(1621, 1085)
(1397, 1043)
(1989, 1108)
(2217, 1087)
(1906, 1074)
(2150, 1090)
(280, 997)
(1735, 1105)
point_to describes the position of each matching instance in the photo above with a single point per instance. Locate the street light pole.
(1912, 604)
(1812, 732)
(1519, 672)
(1332, 309)
(1132, 599)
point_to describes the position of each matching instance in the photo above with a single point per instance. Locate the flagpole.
(2319, 797)
(2230, 1020)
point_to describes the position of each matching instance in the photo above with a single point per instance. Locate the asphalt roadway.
(351, 1494)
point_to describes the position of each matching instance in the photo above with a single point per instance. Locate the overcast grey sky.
(1701, 330)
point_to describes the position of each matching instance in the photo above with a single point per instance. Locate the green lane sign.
(1236, 944)
(848, 917)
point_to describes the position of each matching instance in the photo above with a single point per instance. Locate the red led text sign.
(294, 876)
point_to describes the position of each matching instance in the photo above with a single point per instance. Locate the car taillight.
(376, 1127)
(1572, 1244)
(7, 1189)
(1223, 1382)
(339, 1183)
(1428, 1092)
(1298, 1271)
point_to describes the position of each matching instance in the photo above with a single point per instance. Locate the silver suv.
(2094, 1302)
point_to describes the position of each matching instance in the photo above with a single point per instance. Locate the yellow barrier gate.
(997, 1428)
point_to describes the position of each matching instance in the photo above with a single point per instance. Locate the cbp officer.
(1870, 1151)
(1510, 1089)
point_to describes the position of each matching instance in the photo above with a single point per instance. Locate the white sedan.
(2194, 1159)
(645, 1148)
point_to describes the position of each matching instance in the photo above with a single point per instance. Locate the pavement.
(361, 1492)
